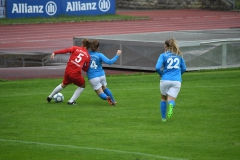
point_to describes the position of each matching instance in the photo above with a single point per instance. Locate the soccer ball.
(58, 97)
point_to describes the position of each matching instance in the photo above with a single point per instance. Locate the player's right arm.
(63, 51)
(159, 65)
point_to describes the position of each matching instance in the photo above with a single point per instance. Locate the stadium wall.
(142, 55)
(174, 4)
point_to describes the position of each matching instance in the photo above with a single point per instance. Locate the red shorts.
(75, 78)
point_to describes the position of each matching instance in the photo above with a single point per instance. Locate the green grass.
(69, 19)
(205, 123)
(237, 4)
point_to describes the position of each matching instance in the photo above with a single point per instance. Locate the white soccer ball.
(58, 97)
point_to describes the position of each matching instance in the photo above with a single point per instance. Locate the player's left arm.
(86, 64)
(183, 66)
(107, 60)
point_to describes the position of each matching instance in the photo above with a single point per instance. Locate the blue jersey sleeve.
(159, 65)
(108, 61)
(183, 66)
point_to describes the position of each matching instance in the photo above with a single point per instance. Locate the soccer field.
(205, 124)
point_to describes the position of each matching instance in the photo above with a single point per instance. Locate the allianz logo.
(51, 7)
(104, 5)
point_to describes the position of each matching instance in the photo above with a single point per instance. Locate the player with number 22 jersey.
(170, 66)
(173, 66)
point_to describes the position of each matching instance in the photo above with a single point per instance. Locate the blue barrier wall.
(48, 8)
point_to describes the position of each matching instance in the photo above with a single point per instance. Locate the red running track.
(49, 37)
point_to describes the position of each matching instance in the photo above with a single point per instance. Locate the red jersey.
(79, 59)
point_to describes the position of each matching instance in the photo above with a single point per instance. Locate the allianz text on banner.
(47, 8)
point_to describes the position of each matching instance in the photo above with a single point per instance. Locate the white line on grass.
(90, 148)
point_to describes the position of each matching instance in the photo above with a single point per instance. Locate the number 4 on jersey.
(93, 65)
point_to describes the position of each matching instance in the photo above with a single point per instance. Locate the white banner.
(2, 12)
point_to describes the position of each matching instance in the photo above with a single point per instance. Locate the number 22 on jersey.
(173, 63)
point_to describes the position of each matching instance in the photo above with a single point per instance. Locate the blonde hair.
(172, 46)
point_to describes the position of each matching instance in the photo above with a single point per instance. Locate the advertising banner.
(88, 7)
(48, 8)
(2, 9)
(2, 12)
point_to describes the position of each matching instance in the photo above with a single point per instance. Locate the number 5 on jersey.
(79, 58)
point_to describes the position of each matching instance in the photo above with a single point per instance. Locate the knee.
(83, 86)
(63, 85)
(103, 88)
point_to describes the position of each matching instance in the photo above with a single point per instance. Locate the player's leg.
(64, 83)
(109, 93)
(109, 99)
(172, 95)
(80, 82)
(163, 107)
(97, 86)
(163, 102)
(55, 91)
(75, 95)
(171, 104)
(101, 94)
(106, 90)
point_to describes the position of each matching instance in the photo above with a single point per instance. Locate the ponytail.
(173, 46)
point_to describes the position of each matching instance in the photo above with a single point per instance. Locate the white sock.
(56, 90)
(76, 94)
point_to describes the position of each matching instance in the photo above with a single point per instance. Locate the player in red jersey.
(79, 60)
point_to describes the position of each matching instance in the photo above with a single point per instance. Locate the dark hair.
(86, 43)
(172, 46)
(94, 45)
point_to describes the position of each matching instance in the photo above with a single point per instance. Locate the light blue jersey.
(170, 66)
(95, 69)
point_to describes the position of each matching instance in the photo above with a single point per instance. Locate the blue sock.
(103, 96)
(109, 93)
(171, 102)
(163, 107)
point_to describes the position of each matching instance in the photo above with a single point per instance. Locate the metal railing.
(233, 3)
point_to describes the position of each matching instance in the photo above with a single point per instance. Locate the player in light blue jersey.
(96, 74)
(170, 66)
